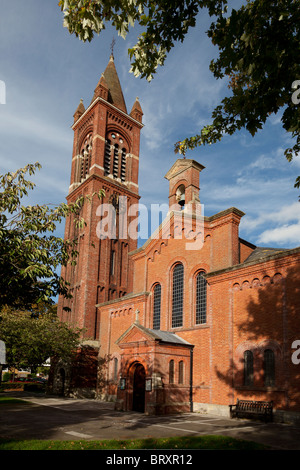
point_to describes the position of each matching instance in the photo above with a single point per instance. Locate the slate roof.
(165, 336)
(260, 253)
(162, 336)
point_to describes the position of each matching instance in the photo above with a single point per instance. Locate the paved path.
(69, 419)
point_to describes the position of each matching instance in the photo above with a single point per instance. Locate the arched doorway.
(138, 395)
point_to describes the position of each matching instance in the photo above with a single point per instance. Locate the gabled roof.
(166, 337)
(181, 165)
(156, 335)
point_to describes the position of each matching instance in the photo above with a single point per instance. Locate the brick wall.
(255, 306)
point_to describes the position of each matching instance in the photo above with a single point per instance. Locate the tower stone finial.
(79, 111)
(136, 111)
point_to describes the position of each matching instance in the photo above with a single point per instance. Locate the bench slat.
(252, 408)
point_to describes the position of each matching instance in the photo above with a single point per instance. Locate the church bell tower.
(105, 157)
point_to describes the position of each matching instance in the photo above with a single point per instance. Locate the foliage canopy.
(30, 252)
(33, 336)
(258, 52)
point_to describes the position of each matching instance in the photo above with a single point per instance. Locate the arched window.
(269, 368)
(115, 156)
(181, 372)
(248, 368)
(86, 156)
(156, 306)
(112, 262)
(200, 298)
(177, 296)
(171, 371)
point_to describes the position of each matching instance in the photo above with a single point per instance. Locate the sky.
(46, 71)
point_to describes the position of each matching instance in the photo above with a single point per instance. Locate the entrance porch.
(156, 372)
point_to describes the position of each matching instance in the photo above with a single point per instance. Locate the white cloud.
(263, 162)
(295, 162)
(31, 126)
(282, 216)
(249, 190)
(275, 227)
(281, 235)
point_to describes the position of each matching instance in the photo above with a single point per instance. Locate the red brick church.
(196, 317)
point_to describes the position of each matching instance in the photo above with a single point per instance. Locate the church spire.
(111, 80)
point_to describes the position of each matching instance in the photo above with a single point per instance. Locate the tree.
(258, 53)
(30, 253)
(31, 337)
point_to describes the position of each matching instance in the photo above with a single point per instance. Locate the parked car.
(41, 380)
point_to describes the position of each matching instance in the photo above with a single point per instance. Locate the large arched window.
(156, 306)
(248, 368)
(115, 156)
(200, 298)
(177, 296)
(269, 368)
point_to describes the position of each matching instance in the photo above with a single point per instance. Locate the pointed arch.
(86, 155)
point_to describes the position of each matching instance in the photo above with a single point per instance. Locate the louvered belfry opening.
(115, 156)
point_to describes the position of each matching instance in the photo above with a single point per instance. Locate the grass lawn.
(9, 400)
(200, 442)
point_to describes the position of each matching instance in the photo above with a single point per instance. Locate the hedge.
(27, 387)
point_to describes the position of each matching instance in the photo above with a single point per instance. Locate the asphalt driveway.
(44, 417)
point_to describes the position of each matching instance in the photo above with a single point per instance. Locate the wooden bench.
(252, 409)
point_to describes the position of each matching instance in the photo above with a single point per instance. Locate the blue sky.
(47, 71)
